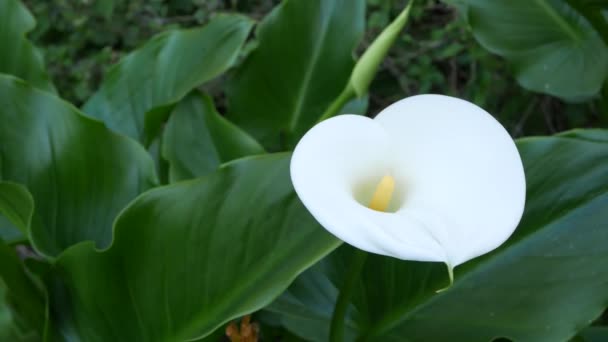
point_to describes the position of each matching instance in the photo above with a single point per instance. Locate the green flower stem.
(347, 94)
(336, 333)
(367, 66)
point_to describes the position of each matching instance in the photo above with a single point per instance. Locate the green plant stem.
(594, 17)
(336, 333)
(347, 94)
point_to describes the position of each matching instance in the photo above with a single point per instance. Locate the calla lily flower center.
(383, 194)
(430, 178)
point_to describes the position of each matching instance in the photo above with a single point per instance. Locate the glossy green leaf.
(16, 204)
(592, 12)
(8, 231)
(16, 208)
(191, 256)
(545, 284)
(553, 48)
(302, 63)
(598, 4)
(197, 139)
(164, 70)
(79, 173)
(18, 56)
(7, 326)
(25, 301)
(593, 334)
(9, 329)
(596, 135)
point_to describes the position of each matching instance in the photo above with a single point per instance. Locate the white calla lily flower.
(431, 178)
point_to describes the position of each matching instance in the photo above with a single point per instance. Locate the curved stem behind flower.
(347, 94)
(336, 333)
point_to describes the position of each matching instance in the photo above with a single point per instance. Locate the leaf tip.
(450, 275)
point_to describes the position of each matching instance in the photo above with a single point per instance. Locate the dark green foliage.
(90, 252)
(438, 54)
(528, 276)
(82, 39)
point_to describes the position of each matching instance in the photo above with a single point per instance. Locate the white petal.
(460, 181)
(465, 179)
(334, 161)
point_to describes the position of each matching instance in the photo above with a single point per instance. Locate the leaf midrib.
(559, 21)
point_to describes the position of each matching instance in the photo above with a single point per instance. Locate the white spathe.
(459, 180)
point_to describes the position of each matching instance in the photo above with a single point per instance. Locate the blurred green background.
(436, 54)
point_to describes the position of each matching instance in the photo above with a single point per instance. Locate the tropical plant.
(153, 214)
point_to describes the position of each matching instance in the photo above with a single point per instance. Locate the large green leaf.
(79, 173)
(16, 208)
(16, 204)
(164, 70)
(25, 303)
(197, 139)
(593, 334)
(553, 49)
(8, 231)
(190, 256)
(592, 11)
(18, 56)
(303, 61)
(22, 304)
(9, 328)
(546, 283)
(7, 325)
